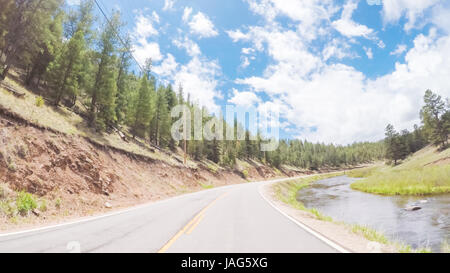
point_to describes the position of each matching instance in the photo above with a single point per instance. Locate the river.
(427, 227)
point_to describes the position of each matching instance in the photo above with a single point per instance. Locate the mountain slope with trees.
(58, 54)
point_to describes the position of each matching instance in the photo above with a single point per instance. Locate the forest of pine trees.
(435, 116)
(77, 60)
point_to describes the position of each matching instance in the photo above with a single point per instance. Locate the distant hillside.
(422, 173)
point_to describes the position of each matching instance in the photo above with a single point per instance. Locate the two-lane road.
(232, 219)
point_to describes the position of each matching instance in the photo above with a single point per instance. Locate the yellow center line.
(195, 224)
(190, 226)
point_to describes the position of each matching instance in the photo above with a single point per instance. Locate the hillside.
(52, 166)
(422, 173)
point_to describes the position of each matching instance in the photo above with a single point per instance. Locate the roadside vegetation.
(15, 206)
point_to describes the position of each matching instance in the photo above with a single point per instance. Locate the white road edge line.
(314, 233)
(93, 218)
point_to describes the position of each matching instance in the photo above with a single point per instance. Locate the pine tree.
(66, 69)
(122, 81)
(104, 86)
(143, 109)
(433, 118)
(161, 119)
(25, 27)
(395, 148)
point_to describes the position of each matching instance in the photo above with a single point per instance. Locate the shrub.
(58, 203)
(43, 205)
(40, 101)
(25, 202)
(5, 191)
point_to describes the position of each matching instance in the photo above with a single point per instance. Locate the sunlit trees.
(434, 116)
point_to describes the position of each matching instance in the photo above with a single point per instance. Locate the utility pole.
(185, 137)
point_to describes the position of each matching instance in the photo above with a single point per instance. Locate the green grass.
(363, 172)
(206, 186)
(409, 249)
(370, 234)
(421, 174)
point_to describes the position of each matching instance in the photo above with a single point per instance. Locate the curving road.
(232, 219)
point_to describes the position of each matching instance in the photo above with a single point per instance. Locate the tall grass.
(424, 173)
(417, 181)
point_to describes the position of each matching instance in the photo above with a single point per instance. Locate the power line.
(120, 38)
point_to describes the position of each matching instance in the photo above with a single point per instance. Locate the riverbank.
(356, 238)
(427, 172)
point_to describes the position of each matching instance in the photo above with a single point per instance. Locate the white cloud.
(144, 26)
(244, 98)
(399, 50)
(349, 28)
(414, 11)
(245, 62)
(338, 49)
(199, 24)
(199, 79)
(335, 102)
(168, 67)
(143, 50)
(441, 16)
(186, 14)
(369, 52)
(168, 4)
(143, 31)
(190, 46)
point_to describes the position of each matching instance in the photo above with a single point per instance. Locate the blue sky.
(338, 71)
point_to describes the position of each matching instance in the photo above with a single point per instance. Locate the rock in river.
(412, 208)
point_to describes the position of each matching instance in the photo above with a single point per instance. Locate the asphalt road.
(232, 219)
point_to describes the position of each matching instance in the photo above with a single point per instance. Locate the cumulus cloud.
(394, 10)
(168, 4)
(144, 26)
(337, 103)
(199, 79)
(144, 29)
(144, 50)
(192, 48)
(349, 28)
(399, 50)
(244, 98)
(369, 52)
(199, 24)
(167, 68)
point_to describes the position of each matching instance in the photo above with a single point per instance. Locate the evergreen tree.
(433, 118)
(395, 148)
(66, 69)
(26, 25)
(143, 109)
(104, 89)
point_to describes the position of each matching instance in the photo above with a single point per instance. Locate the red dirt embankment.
(76, 176)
